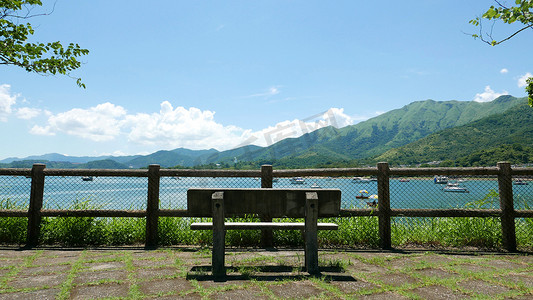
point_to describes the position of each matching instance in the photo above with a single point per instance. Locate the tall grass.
(524, 227)
(353, 231)
(73, 231)
(12, 230)
(456, 232)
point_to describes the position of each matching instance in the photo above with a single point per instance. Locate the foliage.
(73, 231)
(12, 230)
(42, 58)
(522, 13)
(516, 154)
(529, 90)
(353, 231)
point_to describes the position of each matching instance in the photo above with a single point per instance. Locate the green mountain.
(180, 156)
(516, 154)
(468, 143)
(382, 138)
(380, 134)
(189, 158)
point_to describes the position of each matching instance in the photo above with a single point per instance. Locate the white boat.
(520, 182)
(297, 180)
(360, 180)
(87, 178)
(440, 180)
(455, 188)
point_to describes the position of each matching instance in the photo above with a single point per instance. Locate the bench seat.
(263, 225)
(267, 203)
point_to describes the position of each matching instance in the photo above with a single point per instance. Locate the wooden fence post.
(384, 211)
(152, 206)
(311, 233)
(36, 203)
(505, 189)
(219, 236)
(267, 237)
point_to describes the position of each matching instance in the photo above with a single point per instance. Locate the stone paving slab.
(185, 273)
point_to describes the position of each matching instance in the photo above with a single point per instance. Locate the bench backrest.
(275, 203)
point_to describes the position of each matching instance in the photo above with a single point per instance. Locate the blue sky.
(219, 74)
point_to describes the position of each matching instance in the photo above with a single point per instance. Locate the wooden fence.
(503, 172)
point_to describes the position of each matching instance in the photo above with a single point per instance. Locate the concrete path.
(184, 273)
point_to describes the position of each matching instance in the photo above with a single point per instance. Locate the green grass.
(353, 231)
(12, 230)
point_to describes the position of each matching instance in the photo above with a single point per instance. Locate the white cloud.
(42, 130)
(292, 129)
(504, 71)
(27, 113)
(522, 80)
(177, 127)
(271, 92)
(6, 101)
(99, 123)
(190, 128)
(488, 95)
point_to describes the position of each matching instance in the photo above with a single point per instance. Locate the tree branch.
(8, 13)
(509, 37)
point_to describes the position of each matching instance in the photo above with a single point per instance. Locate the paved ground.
(184, 273)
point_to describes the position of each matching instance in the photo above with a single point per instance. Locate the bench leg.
(219, 271)
(311, 233)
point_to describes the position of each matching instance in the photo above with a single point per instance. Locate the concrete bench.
(274, 203)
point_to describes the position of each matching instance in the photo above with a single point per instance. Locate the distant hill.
(512, 127)
(180, 156)
(97, 164)
(382, 137)
(380, 134)
(56, 157)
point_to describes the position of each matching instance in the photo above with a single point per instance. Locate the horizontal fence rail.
(153, 209)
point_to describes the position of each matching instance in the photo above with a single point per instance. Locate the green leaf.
(33, 57)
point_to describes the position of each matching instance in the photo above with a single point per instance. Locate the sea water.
(127, 193)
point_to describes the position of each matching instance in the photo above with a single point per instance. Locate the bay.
(130, 193)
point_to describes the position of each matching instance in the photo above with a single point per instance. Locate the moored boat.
(87, 178)
(297, 180)
(360, 180)
(455, 188)
(520, 182)
(440, 180)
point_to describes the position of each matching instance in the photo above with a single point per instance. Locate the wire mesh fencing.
(523, 200)
(91, 192)
(462, 193)
(15, 192)
(477, 199)
(14, 195)
(173, 195)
